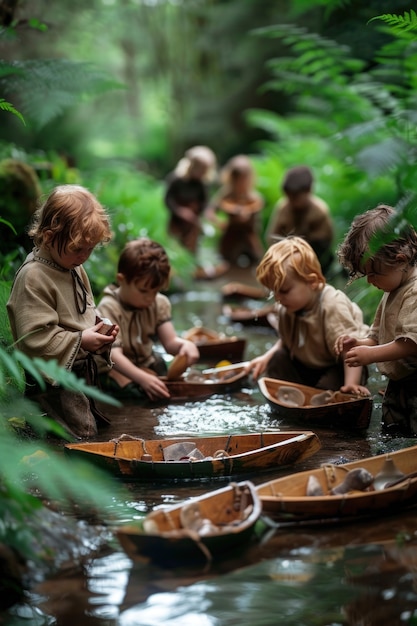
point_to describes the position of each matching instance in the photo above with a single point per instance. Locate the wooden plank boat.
(201, 384)
(198, 458)
(201, 528)
(216, 346)
(249, 316)
(315, 405)
(391, 480)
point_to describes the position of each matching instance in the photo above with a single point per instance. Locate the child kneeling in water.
(311, 317)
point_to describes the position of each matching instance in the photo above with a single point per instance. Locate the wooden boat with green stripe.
(197, 458)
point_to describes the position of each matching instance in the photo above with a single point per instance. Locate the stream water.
(362, 573)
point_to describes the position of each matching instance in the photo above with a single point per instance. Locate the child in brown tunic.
(311, 317)
(143, 315)
(392, 339)
(51, 307)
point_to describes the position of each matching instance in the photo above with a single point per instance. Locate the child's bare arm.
(345, 342)
(352, 382)
(392, 351)
(174, 344)
(258, 365)
(153, 386)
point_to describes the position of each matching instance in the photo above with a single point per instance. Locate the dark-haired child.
(143, 315)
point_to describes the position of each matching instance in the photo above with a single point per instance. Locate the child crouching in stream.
(311, 317)
(392, 339)
(136, 305)
(51, 308)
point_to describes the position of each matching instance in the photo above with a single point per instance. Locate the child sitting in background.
(186, 195)
(392, 339)
(142, 313)
(303, 214)
(51, 308)
(240, 241)
(311, 317)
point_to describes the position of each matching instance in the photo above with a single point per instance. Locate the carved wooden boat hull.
(228, 517)
(205, 384)
(248, 316)
(345, 411)
(285, 499)
(139, 459)
(214, 346)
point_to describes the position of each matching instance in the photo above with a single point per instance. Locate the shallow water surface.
(349, 574)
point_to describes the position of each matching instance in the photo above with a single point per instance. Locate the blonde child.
(51, 307)
(311, 316)
(392, 339)
(186, 195)
(142, 313)
(240, 241)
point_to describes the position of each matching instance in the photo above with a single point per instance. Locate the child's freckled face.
(296, 294)
(137, 293)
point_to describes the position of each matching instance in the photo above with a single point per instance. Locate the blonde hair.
(201, 155)
(289, 254)
(74, 216)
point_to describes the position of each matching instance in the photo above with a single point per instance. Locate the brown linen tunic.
(395, 318)
(138, 327)
(43, 314)
(310, 336)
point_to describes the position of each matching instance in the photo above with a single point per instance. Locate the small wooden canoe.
(195, 384)
(214, 346)
(248, 316)
(286, 500)
(197, 458)
(317, 407)
(201, 528)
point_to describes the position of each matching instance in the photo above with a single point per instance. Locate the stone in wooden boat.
(201, 384)
(196, 458)
(286, 499)
(214, 346)
(200, 529)
(336, 409)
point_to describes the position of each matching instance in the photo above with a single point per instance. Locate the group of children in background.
(322, 338)
(236, 208)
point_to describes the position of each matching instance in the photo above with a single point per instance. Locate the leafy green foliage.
(46, 88)
(399, 23)
(6, 106)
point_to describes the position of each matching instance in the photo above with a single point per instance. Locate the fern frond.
(399, 23)
(7, 106)
(46, 88)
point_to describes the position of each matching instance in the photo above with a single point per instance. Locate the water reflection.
(361, 573)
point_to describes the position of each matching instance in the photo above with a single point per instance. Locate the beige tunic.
(138, 327)
(395, 318)
(43, 314)
(315, 224)
(310, 336)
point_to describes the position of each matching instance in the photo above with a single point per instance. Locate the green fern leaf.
(6, 106)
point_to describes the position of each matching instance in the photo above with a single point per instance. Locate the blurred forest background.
(114, 91)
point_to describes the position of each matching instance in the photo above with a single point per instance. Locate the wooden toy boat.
(371, 486)
(202, 528)
(315, 406)
(198, 458)
(214, 346)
